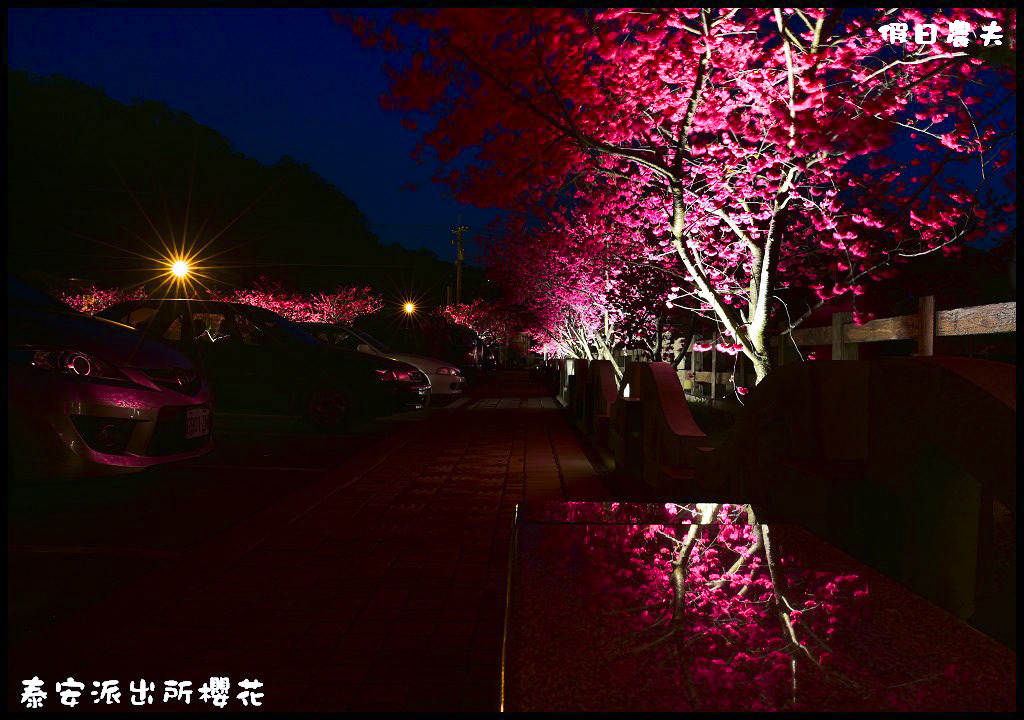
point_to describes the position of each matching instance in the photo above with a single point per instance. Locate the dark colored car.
(88, 396)
(258, 361)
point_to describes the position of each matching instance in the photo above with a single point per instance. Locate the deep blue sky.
(274, 81)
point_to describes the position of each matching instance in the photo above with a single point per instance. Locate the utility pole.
(458, 259)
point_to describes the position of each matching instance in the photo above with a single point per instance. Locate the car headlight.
(72, 362)
(447, 371)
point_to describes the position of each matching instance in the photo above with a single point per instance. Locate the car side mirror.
(364, 348)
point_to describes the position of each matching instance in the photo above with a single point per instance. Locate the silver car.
(88, 396)
(445, 378)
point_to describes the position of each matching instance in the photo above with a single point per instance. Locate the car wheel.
(328, 408)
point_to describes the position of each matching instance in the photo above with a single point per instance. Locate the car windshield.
(370, 340)
(278, 327)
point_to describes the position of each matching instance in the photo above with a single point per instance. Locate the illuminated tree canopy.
(750, 155)
(492, 321)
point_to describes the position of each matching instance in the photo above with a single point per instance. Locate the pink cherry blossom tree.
(493, 322)
(343, 305)
(590, 291)
(769, 151)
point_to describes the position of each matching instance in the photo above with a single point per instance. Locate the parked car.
(445, 378)
(258, 361)
(87, 395)
(428, 335)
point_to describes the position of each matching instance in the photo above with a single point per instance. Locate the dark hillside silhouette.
(94, 183)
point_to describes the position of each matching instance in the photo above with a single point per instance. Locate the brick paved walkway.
(379, 587)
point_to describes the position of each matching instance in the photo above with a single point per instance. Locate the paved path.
(380, 586)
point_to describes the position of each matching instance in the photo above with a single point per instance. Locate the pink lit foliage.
(91, 299)
(493, 322)
(778, 156)
(586, 298)
(561, 288)
(702, 594)
(341, 306)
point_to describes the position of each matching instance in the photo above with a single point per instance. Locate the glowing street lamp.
(179, 269)
(409, 308)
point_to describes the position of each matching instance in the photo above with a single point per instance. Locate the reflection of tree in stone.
(705, 596)
(636, 607)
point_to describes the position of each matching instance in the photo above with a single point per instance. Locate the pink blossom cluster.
(91, 299)
(583, 286)
(493, 322)
(341, 306)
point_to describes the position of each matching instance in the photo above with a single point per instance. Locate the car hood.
(113, 342)
(425, 363)
(332, 353)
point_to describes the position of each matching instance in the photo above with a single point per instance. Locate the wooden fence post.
(926, 335)
(693, 369)
(841, 350)
(714, 372)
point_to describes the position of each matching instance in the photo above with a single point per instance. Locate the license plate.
(197, 423)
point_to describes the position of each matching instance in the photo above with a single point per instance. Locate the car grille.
(176, 379)
(169, 433)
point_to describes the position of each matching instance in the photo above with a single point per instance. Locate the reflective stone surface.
(632, 607)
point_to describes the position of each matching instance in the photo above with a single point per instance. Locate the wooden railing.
(843, 334)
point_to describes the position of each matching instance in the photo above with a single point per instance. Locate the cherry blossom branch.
(918, 61)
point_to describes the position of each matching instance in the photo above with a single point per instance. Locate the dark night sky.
(274, 81)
